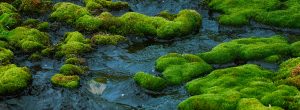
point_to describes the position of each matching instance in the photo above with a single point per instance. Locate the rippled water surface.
(109, 85)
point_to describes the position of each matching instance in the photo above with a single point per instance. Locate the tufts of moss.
(247, 49)
(93, 5)
(65, 81)
(70, 69)
(88, 23)
(149, 81)
(106, 39)
(13, 79)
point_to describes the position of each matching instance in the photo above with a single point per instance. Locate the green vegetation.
(106, 39)
(74, 43)
(13, 79)
(149, 81)
(289, 72)
(247, 49)
(88, 22)
(69, 69)
(105, 4)
(8, 16)
(225, 89)
(33, 5)
(282, 13)
(5, 55)
(273, 59)
(65, 81)
(254, 104)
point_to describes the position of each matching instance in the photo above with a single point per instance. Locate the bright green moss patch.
(105, 4)
(88, 22)
(224, 88)
(149, 81)
(273, 59)
(8, 15)
(65, 81)
(247, 49)
(13, 79)
(295, 48)
(74, 43)
(68, 12)
(282, 13)
(5, 55)
(289, 72)
(33, 5)
(70, 69)
(254, 104)
(74, 61)
(27, 39)
(177, 68)
(106, 39)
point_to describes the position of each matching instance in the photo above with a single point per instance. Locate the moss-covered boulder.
(8, 16)
(289, 72)
(149, 81)
(33, 5)
(70, 69)
(65, 81)
(93, 5)
(13, 79)
(68, 12)
(254, 104)
(224, 88)
(282, 13)
(178, 68)
(88, 23)
(28, 39)
(295, 48)
(5, 55)
(247, 49)
(106, 39)
(74, 43)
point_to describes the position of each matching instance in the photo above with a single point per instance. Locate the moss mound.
(8, 16)
(74, 43)
(282, 13)
(106, 39)
(105, 5)
(88, 22)
(65, 81)
(289, 72)
(70, 69)
(254, 104)
(27, 39)
(247, 49)
(223, 89)
(13, 79)
(177, 68)
(149, 81)
(5, 55)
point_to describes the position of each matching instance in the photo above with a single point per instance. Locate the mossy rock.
(74, 61)
(289, 72)
(88, 23)
(5, 55)
(249, 81)
(68, 12)
(70, 69)
(106, 39)
(65, 81)
(29, 40)
(254, 104)
(105, 4)
(8, 16)
(13, 79)
(37, 6)
(273, 58)
(177, 68)
(295, 48)
(149, 81)
(281, 13)
(247, 49)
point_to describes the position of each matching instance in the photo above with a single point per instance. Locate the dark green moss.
(247, 49)
(105, 4)
(149, 81)
(106, 39)
(70, 69)
(13, 79)
(88, 22)
(65, 81)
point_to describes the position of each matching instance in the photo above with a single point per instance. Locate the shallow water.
(109, 85)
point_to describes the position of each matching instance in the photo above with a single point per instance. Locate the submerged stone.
(13, 79)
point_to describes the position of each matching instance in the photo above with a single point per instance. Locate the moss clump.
(289, 72)
(149, 81)
(29, 40)
(273, 59)
(33, 5)
(68, 12)
(105, 4)
(295, 48)
(5, 55)
(88, 22)
(166, 14)
(74, 61)
(247, 49)
(106, 39)
(254, 104)
(8, 16)
(70, 69)
(65, 81)
(43, 26)
(282, 13)
(246, 81)
(74, 43)
(13, 79)
(35, 57)
(177, 68)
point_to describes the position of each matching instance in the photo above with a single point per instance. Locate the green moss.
(88, 22)
(107, 4)
(273, 59)
(74, 43)
(247, 49)
(295, 48)
(106, 39)
(48, 51)
(166, 14)
(33, 5)
(31, 22)
(282, 13)
(13, 79)
(254, 104)
(65, 81)
(35, 57)
(69, 69)
(74, 61)
(8, 15)
(249, 81)
(177, 68)
(68, 12)
(5, 55)
(149, 81)
(43, 26)
(286, 68)
(29, 40)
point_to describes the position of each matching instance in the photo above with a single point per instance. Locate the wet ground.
(109, 85)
